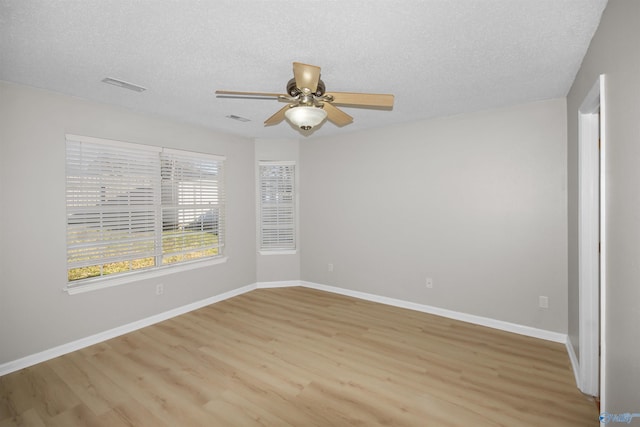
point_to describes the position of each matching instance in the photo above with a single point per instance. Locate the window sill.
(108, 282)
(279, 252)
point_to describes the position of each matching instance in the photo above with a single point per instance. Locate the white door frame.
(591, 242)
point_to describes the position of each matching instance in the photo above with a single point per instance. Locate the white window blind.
(135, 207)
(277, 206)
(192, 206)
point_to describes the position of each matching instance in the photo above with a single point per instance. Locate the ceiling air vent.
(124, 85)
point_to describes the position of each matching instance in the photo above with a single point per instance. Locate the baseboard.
(51, 353)
(60, 350)
(280, 284)
(470, 318)
(574, 361)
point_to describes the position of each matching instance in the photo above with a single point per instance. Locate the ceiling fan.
(308, 103)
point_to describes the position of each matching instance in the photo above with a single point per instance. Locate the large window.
(277, 204)
(134, 207)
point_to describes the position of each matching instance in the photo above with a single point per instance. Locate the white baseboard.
(574, 361)
(470, 318)
(281, 284)
(51, 353)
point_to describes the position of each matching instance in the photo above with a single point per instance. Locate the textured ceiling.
(438, 57)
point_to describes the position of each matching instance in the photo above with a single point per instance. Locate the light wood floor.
(301, 357)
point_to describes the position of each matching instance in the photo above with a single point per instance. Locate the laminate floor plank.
(302, 357)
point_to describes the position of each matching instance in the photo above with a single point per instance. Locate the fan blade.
(235, 92)
(306, 76)
(277, 117)
(337, 116)
(362, 99)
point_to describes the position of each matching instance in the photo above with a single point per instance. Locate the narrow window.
(277, 206)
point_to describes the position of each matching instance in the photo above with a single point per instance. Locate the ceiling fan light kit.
(309, 105)
(305, 117)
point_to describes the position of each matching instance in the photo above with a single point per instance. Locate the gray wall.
(35, 314)
(615, 52)
(476, 201)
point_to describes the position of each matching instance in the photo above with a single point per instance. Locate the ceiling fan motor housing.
(293, 90)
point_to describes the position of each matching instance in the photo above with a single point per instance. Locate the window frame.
(159, 268)
(262, 249)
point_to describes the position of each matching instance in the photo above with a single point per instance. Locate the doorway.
(590, 250)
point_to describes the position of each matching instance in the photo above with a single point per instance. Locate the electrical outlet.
(159, 289)
(543, 302)
(330, 267)
(429, 282)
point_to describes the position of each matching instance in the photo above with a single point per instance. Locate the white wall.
(274, 268)
(476, 201)
(615, 52)
(35, 314)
